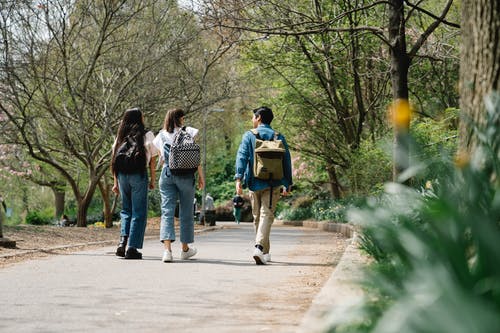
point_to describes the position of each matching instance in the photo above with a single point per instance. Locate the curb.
(342, 290)
(345, 229)
(338, 294)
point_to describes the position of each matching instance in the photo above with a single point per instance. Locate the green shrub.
(306, 208)
(435, 144)
(302, 202)
(40, 217)
(298, 214)
(332, 209)
(436, 250)
(154, 203)
(371, 166)
(295, 209)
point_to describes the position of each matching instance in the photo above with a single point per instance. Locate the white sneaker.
(259, 257)
(167, 256)
(186, 255)
(267, 256)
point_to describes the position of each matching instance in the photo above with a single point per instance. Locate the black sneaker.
(132, 253)
(120, 251)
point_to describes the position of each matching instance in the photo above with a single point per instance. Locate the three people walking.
(135, 150)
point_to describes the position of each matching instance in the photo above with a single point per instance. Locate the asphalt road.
(219, 290)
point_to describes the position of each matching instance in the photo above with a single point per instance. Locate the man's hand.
(239, 187)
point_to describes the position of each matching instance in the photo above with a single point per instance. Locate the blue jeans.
(134, 193)
(173, 187)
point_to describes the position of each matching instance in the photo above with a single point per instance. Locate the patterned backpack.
(183, 155)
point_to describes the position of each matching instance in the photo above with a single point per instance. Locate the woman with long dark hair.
(175, 187)
(133, 152)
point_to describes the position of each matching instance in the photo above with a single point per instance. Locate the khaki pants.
(263, 217)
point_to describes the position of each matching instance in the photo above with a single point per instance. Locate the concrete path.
(221, 290)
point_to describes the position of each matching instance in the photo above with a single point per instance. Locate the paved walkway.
(222, 290)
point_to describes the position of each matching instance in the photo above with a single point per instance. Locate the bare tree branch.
(423, 37)
(439, 18)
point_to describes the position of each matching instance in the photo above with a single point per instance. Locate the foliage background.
(212, 66)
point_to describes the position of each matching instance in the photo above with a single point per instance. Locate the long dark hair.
(173, 119)
(132, 125)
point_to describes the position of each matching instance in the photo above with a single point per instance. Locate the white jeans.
(263, 217)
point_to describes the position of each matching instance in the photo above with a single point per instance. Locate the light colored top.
(149, 145)
(209, 203)
(165, 137)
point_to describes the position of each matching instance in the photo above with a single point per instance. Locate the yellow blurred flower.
(462, 159)
(400, 114)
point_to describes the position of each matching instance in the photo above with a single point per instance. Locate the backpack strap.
(257, 135)
(164, 141)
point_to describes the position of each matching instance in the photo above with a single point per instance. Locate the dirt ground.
(40, 241)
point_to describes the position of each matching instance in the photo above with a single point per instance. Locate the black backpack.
(129, 158)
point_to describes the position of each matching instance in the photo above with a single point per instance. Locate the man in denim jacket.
(263, 215)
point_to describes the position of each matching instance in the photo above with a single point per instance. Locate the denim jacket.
(244, 161)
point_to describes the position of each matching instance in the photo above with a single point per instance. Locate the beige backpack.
(268, 157)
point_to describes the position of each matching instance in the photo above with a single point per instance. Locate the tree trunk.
(400, 63)
(81, 215)
(105, 194)
(1, 223)
(358, 90)
(84, 203)
(115, 203)
(59, 201)
(334, 183)
(479, 63)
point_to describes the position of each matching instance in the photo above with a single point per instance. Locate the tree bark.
(81, 215)
(400, 62)
(1, 223)
(334, 183)
(59, 201)
(84, 203)
(105, 194)
(479, 63)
